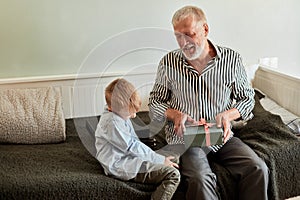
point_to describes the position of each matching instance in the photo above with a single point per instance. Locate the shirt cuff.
(159, 159)
(245, 112)
(158, 113)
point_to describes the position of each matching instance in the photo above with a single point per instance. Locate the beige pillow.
(31, 116)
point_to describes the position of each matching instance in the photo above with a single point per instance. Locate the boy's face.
(131, 114)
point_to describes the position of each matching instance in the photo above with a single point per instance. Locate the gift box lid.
(199, 129)
(196, 135)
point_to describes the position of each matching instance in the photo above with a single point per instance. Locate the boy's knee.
(174, 174)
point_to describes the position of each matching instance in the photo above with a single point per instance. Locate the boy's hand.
(168, 162)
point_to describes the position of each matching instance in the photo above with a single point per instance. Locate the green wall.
(54, 37)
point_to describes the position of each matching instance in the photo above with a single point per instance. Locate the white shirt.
(119, 150)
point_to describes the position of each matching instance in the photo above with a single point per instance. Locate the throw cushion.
(31, 116)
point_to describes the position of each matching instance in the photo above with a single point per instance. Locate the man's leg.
(197, 172)
(251, 171)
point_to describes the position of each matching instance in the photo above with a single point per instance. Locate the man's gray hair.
(187, 11)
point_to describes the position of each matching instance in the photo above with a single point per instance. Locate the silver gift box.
(195, 135)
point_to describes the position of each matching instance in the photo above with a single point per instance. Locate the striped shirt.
(222, 85)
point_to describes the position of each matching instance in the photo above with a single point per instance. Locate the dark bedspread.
(60, 171)
(279, 147)
(271, 139)
(68, 171)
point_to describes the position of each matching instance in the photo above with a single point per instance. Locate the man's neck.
(200, 63)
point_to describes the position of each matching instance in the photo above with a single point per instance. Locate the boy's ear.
(109, 108)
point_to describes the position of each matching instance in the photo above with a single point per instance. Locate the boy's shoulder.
(106, 116)
(111, 118)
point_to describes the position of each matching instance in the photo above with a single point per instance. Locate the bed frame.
(283, 89)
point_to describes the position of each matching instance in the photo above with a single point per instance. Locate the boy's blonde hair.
(120, 96)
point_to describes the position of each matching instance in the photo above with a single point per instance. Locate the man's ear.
(109, 109)
(206, 29)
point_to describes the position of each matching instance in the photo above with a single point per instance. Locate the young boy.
(119, 150)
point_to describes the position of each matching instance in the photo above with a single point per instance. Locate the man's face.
(191, 37)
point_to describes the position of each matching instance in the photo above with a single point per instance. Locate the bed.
(68, 169)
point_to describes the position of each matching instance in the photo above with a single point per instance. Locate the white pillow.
(271, 106)
(250, 70)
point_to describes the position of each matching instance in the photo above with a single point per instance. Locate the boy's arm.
(129, 144)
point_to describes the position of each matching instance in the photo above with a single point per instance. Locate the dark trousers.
(239, 159)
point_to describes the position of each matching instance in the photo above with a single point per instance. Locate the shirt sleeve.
(128, 143)
(160, 94)
(243, 92)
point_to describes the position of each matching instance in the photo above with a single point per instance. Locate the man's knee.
(262, 168)
(203, 179)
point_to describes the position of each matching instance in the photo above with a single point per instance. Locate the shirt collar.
(216, 48)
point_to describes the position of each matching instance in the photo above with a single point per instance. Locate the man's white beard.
(196, 54)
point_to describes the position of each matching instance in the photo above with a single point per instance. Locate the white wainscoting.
(84, 96)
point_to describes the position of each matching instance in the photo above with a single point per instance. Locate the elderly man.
(203, 80)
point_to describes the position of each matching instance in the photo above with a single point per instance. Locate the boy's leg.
(167, 177)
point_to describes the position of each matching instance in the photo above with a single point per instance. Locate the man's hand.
(179, 120)
(168, 162)
(224, 119)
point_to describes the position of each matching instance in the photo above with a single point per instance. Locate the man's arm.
(158, 103)
(243, 93)
(160, 94)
